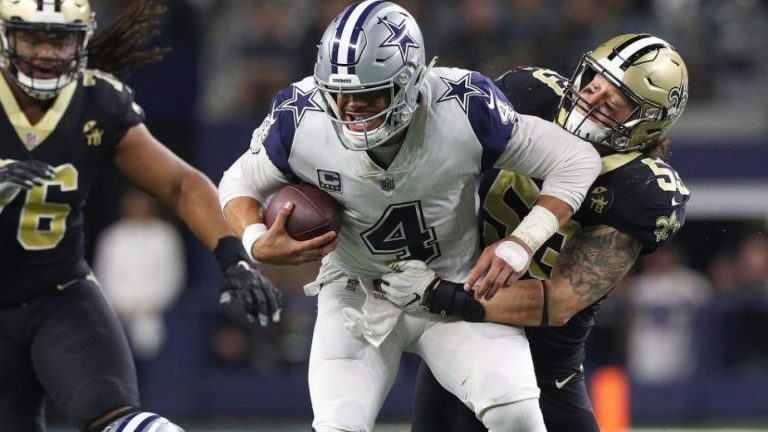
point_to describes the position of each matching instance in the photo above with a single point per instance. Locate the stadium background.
(230, 57)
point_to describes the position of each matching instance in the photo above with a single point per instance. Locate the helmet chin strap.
(369, 139)
(581, 126)
(41, 89)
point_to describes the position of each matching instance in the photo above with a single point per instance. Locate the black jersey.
(41, 230)
(635, 194)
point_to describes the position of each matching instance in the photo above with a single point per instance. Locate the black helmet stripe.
(641, 52)
(634, 48)
(627, 43)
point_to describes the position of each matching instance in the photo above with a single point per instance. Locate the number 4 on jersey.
(402, 231)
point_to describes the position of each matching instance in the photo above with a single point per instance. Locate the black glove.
(243, 281)
(26, 174)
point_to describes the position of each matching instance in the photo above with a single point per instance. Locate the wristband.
(228, 251)
(251, 234)
(537, 227)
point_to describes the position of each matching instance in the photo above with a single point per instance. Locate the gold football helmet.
(64, 26)
(648, 71)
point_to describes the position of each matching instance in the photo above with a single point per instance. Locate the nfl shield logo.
(31, 139)
(388, 183)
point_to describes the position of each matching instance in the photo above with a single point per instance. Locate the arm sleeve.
(252, 175)
(543, 150)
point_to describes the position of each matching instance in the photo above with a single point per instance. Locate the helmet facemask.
(591, 122)
(41, 51)
(356, 134)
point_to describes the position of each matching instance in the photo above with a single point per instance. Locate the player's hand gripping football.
(25, 174)
(409, 285)
(276, 246)
(502, 263)
(262, 300)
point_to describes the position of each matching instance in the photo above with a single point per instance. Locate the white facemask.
(586, 128)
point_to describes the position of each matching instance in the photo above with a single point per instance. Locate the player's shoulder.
(474, 93)
(447, 79)
(297, 104)
(641, 195)
(108, 92)
(533, 90)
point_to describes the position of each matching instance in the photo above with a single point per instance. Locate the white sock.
(520, 416)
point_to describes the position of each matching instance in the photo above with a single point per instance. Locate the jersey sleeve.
(116, 100)
(277, 133)
(490, 114)
(533, 91)
(265, 166)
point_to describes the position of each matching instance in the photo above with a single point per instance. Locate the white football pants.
(486, 365)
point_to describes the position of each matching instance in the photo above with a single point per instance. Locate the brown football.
(314, 211)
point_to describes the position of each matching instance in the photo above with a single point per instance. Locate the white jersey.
(423, 206)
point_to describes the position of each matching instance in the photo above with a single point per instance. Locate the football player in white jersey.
(400, 145)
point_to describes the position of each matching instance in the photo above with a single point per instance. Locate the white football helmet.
(649, 72)
(371, 46)
(62, 18)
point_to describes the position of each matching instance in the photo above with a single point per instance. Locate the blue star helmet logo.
(461, 90)
(299, 103)
(398, 37)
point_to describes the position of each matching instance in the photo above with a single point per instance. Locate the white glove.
(406, 286)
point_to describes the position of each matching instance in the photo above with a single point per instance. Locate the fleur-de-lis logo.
(666, 225)
(678, 96)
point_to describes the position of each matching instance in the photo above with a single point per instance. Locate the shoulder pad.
(533, 91)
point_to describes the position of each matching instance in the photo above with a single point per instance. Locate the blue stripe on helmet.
(337, 38)
(125, 421)
(354, 38)
(147, 421)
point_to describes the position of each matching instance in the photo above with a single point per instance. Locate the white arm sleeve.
(544, 150)
(252, 175)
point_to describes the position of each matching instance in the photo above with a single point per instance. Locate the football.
(314, 211)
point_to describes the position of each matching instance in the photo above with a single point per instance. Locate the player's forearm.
(558, 207)
(518, 304)
(523, 303)
(242, 212)
(197, 205)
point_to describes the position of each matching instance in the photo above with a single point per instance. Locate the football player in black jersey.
(623, 97)
(61, 124)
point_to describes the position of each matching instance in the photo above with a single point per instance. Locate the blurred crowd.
(231, 56)
(254, 48)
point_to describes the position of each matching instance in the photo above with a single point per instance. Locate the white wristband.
(513, 253)
(537, 227)
(250, 235)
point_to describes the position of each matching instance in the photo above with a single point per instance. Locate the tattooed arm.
(592, 262)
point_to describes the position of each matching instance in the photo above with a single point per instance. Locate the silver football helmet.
(66, 25)
(372, 46)
(142, 422)
(648, 71)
